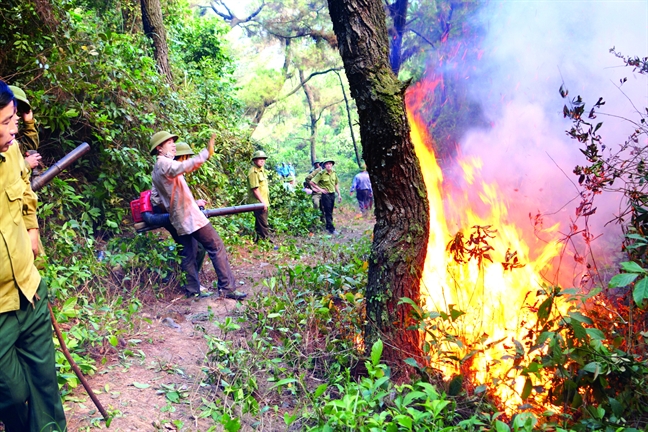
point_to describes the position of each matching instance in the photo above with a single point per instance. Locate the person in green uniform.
(27, 136)
(326, 182)
(315, 196)
(259, 193)
(28, 141)
(29, 393)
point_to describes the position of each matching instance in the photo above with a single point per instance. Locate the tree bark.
(402, 219)
(154, 29)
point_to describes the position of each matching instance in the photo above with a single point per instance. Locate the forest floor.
(167, 361)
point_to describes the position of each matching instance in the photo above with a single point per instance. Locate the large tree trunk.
(154, 29)
(402, 219)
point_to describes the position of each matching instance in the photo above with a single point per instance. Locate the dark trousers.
(211, 241)
(27, 369)
(200, 250)
(197, 247)
(328, 203)
(364, 199)
(261, 226)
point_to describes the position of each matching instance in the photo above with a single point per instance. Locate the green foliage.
(301, 330)
(374, 403)
(572, 357)
(592, 377)
(633, 271)
(201, 42)
(291, 212)
(573, 360)
(99, 83)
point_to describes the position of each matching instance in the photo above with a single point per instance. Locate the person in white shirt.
(185, 215)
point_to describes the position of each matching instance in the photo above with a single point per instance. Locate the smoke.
(530, 49)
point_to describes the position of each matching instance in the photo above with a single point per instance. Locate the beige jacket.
(174, 194)
(17, 215)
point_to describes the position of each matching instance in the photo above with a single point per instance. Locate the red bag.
(141, 205)
(145, 201)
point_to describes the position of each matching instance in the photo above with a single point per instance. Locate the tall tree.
(314, 117)
(402, 219)
(154, 29)
(308, 92)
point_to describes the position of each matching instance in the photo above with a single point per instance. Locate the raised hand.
(210, 146)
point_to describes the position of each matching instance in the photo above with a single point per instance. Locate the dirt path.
(165, 359)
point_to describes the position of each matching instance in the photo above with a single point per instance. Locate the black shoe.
(234, 295)
(198, 295)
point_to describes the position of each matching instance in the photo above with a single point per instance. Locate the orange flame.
(496, 295)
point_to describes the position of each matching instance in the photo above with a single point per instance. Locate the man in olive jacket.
(29, 396)
(259, 192)
(327, 183)
(27, 136)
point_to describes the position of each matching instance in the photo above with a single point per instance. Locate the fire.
(495, 285)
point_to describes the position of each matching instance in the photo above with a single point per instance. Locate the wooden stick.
(76, 369)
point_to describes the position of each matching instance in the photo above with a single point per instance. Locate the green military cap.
(327, 160)
(21, 97)
(160, 137)
(182, 149)
(259, 154)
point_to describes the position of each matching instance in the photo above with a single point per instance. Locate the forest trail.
(166, 357)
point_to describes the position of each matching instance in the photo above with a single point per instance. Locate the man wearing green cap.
(326, 182)
(185, 215)
(29, 393)
(259, 193)
(27, 137)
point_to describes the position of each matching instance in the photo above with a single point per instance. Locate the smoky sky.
(530, 48)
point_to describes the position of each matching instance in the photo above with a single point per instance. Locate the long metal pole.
(41, 180)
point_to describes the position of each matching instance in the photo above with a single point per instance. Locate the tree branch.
(296, 89)
(317, 36)
(228, 16)
(325, 107)
(426, 40)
